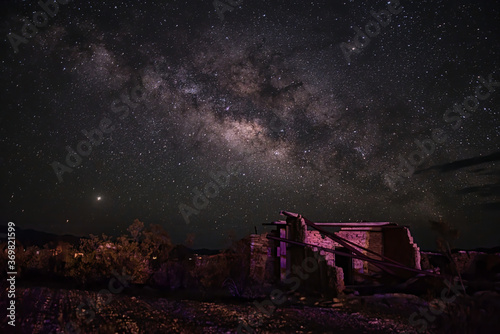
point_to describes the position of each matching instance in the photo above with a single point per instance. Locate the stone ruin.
(288, 251)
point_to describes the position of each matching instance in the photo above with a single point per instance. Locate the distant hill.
(490, 250)
(30, 237)
(181, 252)
(205, 251)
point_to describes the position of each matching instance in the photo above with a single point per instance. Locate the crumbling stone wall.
(471, 264)
(323, 278)
(261, 258)
(326, 279)
(375, 243)
(316, 238)
(464, 261)
(336, 274)
(477, 264)
(296, 231)
(360, 238)
(399, 246)
(272, 260)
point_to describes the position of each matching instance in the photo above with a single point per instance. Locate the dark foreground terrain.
(53, 310)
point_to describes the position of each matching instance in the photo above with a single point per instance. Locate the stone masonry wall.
(261, 259)
(316, 238)
(376, 244)
(399, 246)
(330, 277)
(360, 238)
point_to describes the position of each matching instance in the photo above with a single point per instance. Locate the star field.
(178, 94)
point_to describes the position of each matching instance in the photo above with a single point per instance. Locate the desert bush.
(128, 254)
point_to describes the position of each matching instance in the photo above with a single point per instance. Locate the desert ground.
(145, 310)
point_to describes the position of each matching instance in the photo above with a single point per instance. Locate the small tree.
(135, 229)
(86, 265)
(156, 243)
(131, 257)
(128, 254)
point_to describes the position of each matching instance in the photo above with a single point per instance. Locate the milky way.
(179, 93)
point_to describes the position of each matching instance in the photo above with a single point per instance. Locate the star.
(311, 133)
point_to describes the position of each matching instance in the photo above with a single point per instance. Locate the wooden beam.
(365, 258)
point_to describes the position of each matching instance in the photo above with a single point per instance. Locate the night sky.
(306, 111)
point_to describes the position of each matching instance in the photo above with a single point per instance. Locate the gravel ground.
(50, 310)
